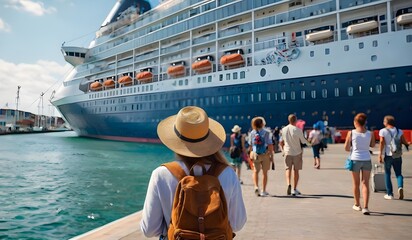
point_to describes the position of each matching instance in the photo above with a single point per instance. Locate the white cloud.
(33, 79)
(4, 26)
(35, 8)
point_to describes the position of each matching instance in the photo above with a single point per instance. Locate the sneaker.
(400, 191)
(295, 192)
(388, 197)
(356, 208)
(365, 211)
(257, 192)
(264, 194)
(240, 181)
(289, 189)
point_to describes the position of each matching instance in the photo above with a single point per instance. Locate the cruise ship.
(320, 59)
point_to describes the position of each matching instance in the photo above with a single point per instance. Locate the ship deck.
(324, 211)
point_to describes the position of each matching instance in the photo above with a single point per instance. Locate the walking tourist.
(290, 143)
(196, 141)
(390, 146)
(276, 136)
(358, 142)
(237, 150)
(261, 153)
(315, 139)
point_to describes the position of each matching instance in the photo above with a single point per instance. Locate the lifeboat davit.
(319, 35)
(176, 71)
(202, 66)
(404, 19)
(125, 81)
(109, 84)
(145, 76)
(232, 59)
(362, 27)
(96, 86)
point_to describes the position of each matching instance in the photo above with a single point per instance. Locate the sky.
(31, 34)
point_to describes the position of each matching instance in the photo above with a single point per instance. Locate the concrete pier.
(323, 211)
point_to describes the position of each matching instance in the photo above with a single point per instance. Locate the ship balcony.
(175, 48)
(235, 30)
(74, 55)
(204, 39)
(297, 14)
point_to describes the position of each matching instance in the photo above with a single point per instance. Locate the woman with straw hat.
(237, 149)
(194, 138)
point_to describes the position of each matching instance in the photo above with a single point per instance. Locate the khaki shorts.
(296, 161)
(262, 162)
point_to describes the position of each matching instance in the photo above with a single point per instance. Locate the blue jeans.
(316, 149)
(397, 167)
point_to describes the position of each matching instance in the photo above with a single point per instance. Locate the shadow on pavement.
(330, 195)
(381, 214)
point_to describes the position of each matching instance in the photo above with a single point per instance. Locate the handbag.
(349, 164)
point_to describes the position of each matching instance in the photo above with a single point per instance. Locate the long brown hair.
(216, 157)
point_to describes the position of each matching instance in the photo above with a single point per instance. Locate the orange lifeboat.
(125, 81)
(202, 66)
(145, 76)
(176, 71)
(109, 84)
(232, 59)
(96, 86)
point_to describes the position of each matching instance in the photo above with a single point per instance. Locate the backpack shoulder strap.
(216, 169)
(175, 169)
(389, 133)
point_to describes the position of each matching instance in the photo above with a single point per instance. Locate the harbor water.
(58, 185)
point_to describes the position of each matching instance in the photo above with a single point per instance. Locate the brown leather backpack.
(199, 207)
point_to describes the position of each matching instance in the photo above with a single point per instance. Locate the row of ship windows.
(237, 99)
(361, 45)
(228, 76)
(147, 88)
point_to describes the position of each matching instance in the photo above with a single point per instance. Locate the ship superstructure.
(320, 59)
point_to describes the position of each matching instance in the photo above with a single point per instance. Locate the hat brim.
(255, 118)
(236, 130)
(212, 144)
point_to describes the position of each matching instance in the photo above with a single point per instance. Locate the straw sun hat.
(255, 118)
(236, 129)
(191, 133)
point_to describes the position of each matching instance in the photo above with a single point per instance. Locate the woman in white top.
(193, 137)
(315, 139)
(358, 142)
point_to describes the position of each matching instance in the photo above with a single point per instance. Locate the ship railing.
(280, 43)
(351, 3)
(300, 13)
(203, 39)
(146, 56)
(236, 29)
(175, 48)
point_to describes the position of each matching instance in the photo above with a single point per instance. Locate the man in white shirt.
(292, 138)
(390, 160)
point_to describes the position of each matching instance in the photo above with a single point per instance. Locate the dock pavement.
(323, 211)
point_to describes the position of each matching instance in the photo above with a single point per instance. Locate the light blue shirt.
(263, 132)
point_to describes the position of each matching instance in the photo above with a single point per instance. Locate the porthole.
(408, 86)
(393, 88)
(374, 58)
(285, 69)
(262, 72)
